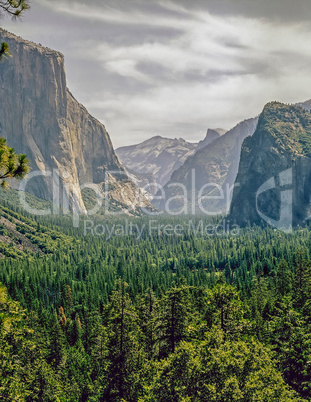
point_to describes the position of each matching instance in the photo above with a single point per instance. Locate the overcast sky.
(176, 68)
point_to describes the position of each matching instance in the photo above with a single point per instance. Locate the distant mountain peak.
(211, 135)
(158, 157)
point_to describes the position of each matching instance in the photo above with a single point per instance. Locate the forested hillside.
(22, 236)
(162, 318)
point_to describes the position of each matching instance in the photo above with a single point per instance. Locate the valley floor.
(154, 317)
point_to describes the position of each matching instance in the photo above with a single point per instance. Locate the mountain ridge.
(157, 156)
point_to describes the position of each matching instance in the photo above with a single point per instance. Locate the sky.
(175, 68)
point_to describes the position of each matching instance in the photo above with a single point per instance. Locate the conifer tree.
(12, 165)
(14, 8)
(124, 347)
(172, 328)
(57, 343)
(283, 278)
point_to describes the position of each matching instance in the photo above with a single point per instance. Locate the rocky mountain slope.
(274, 175)
(157, 158)
(41, 118)
(210, 172)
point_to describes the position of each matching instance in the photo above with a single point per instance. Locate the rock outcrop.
(274, 178)
(40, 118)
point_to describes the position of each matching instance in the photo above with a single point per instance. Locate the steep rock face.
(274, 177)
(92, 147)
(210, 170)
(157, 157)
(41, 118)
(211, 135)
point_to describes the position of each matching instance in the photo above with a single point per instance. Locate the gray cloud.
(278, 10)
(176, 68)
(155, 8)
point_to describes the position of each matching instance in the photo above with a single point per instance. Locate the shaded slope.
(275, 171)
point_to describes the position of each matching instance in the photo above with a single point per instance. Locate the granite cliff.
(274, 177)
(41, 118)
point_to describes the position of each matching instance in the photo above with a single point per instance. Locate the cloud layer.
(176, 68)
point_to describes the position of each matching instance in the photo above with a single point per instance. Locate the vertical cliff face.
(41, 118)
(274, 175)
(92, 147)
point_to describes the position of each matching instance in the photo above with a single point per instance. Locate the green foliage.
(21, 236)
(218, 370)
(289, 126)
(24, 373)
(156, 319)
(11, 164)
(4, 51)
(15, 8)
